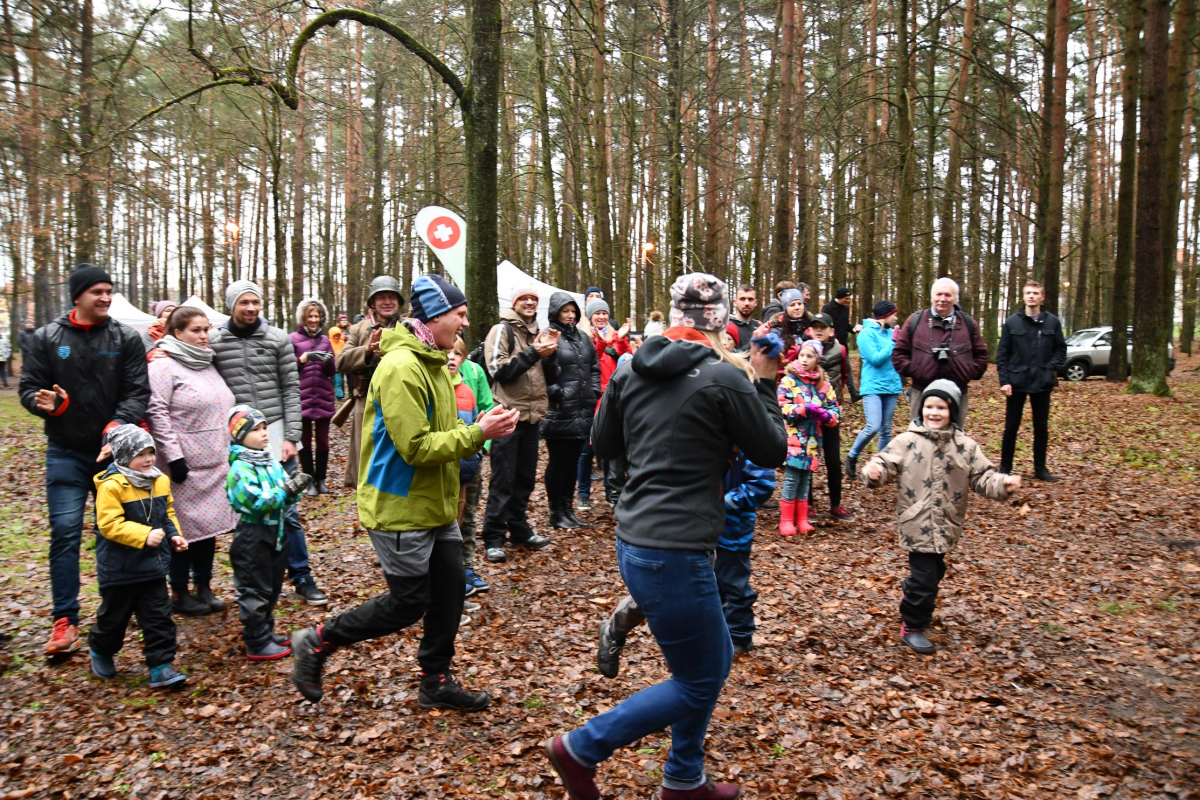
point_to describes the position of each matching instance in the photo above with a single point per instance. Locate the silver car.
(1088, 351)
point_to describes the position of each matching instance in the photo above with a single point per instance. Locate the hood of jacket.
(302, 309)
(662, 358)
(558, 301)
(401, 338)
(511, 315)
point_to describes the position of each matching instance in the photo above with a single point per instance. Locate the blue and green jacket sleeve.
(256, 492)
(748, 487)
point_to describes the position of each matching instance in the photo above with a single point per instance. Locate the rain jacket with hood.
(125, 515)
(412, 439)
(676, 412)
(316, 376)
(572, 378)
(518, 380)
(935, 468)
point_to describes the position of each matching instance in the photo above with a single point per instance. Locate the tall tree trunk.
(1079, 307)
(781, 261)
(300, 169)
(1187, 331)
(712, 191)
(481, 117)
(905, 294)
(948, 250)
(1118, 361)
(85, 191)
(1058, 155)
(601, 153)
(674, 103)
(1045, 141)
(1179, 63)
(557, 267)
(1149, 374)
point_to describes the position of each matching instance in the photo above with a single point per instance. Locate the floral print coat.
(807, 408)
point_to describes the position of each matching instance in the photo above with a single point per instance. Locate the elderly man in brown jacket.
(360, 357)
(514, 350)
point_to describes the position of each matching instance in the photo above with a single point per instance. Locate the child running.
(935, 463)
(809, 404)
(135, 520)
(259, 490)
(747, 487)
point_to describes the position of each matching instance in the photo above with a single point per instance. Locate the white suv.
(1088, 351)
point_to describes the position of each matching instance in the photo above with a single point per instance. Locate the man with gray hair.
(940, 342)
(258, 363)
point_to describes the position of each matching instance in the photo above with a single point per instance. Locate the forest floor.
(1068, 631)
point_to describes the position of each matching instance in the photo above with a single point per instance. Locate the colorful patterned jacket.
(256, 490)
(747, 487)
(806, 409)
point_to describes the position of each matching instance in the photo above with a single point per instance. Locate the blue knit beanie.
(433, 295)
(595, 289)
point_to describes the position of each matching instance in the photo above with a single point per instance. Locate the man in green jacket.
(408, 500)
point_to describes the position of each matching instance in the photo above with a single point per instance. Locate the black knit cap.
(84, 277)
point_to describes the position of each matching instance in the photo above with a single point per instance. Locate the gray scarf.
(189, 355)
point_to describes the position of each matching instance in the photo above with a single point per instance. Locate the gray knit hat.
(698, 300)
(948, 391)
(239, 288)
(597, 305)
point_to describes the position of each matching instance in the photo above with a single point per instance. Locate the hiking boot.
(709, 791)
(585, 504)
(578, 780)
(477, 582)
(495, 555)
(309, 652)
(851, 466)
(608, 657)
(188, 604)
(534, 542)
(65, 638)
(164, 676)
(103, 666)
(915, 638)
(268, 652)
(841, 513)
(1045, 475)
(311, 594)
(442, 691)
(204, 594)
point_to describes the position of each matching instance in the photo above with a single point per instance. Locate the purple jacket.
(316, 377)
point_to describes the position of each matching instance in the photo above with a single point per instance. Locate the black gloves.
(179, 470)
(297, 484)
(319, 355)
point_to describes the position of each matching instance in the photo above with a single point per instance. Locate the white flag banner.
(446, 234)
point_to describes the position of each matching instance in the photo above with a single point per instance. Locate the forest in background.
(872, 143)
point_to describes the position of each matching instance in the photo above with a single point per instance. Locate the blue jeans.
(677, 591)
(797, 483)
(737, 596)
(69, 475)
(880, 409)
(298, 569)
(584, 471)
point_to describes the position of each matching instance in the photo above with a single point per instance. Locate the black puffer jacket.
(103, 370)
(572, 378)
(677, 411)
(1030, 352)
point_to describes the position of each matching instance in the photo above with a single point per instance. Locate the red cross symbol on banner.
(443, 232)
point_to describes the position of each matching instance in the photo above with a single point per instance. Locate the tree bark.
(1118, 362)
(1178, 63)
(1058, 156)
(781, 261)
(906, 196)
(557, 270)
(481, 117)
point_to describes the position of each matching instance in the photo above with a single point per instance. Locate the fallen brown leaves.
(1067, 626)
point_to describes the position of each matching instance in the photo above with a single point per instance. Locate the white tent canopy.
(214, 316)
(510, 279)
(125, 312)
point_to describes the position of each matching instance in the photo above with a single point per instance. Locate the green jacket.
(474, 377)
(412, 439)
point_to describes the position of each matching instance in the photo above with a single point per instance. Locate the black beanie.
(84, 277)
(884, 308)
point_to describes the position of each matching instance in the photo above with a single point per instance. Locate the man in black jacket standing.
(83, 374)
(1032, 348)
(838, 310)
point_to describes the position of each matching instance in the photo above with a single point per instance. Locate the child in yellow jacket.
(135, 520)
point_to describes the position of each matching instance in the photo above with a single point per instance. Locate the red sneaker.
(709, 791)
(64, 640)
(578, 780)
(841, 513)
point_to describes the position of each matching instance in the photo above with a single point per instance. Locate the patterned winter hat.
(433, 295)
(242, 420)
(698, 300)
(127, 441)
(812, 344)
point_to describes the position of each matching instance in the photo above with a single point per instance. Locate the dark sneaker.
(470, 589)
(309, 652)
(476, 581)
(741, 648)
(608, 659)
(709, 791)
(442, 691)
(578, 780)
(268, 652)
(495, 555)
(164, 676)
(841, 513)
(103, 666)
(204, 594)
(1045, 475)
(851, 466)
(65, 638)
(189, 605)
(311, 594)
(585, 504)
(915, 638)
(534, 542)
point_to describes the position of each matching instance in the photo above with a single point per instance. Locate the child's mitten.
(297, 484)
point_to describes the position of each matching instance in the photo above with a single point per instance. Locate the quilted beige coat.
(934, 470)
